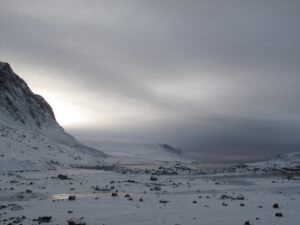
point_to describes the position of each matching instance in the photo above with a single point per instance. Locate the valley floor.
(27, 197)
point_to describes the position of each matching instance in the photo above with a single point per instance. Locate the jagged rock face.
(19, 103)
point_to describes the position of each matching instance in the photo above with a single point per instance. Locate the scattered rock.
(105, 189)
(17, 220)
(63, 177)
(3, 207)
(275, 206)
(114, 194)
(43, 219)
(163, 201)
(240, 197)
(279, 214)
(72, 197)
(76, 222)
(153, 178)
(156, 188)
(14, 182)
(130, 181)
(16, 208)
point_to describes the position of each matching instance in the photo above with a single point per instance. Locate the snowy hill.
(30, 137)
(136, 152)
(284, 162)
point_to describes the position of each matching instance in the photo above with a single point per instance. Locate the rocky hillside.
(30, 137)
(19, 104)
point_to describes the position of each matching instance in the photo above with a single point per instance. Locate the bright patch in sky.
(66, 113)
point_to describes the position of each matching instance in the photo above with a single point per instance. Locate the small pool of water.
(65, 196)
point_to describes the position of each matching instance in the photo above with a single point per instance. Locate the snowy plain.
(140, 184)
(140, 200)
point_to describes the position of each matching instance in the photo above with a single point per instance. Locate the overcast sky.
(215, 78)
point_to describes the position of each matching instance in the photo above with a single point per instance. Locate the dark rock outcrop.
(19, 103)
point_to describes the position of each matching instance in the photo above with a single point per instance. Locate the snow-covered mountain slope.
(30, 137)
(20, 105)
(283, 163)
(136, 152)
(287, 162)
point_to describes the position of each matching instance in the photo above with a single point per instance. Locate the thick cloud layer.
(213, 77)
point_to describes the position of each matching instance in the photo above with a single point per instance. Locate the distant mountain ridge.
(134, 152)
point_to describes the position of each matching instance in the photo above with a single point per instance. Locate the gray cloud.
(209, 76)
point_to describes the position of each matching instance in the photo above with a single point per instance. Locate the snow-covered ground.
(171, 199)
(26, 149)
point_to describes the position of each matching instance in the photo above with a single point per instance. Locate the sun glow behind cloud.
(80, 113)
(203, 76)
(67, 113)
